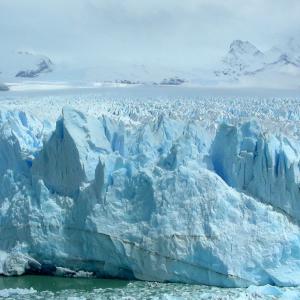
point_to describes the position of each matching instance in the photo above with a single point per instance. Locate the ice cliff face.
(167, 201)
(263, 165)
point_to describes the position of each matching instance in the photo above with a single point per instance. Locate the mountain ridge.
(24, 64)
(244, 65)
(244, 59)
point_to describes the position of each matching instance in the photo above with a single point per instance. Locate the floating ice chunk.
(9, 293)
(290, 295)
(266, 290)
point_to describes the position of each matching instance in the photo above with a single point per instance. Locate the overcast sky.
(162, 32)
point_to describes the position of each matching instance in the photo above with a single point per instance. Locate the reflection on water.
(42, 283)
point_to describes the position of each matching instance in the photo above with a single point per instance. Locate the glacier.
(167, 199)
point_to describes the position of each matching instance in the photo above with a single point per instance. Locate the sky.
(190, 33)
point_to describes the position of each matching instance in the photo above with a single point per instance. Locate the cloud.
(170, 32)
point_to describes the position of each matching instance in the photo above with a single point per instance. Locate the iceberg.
(167, 200)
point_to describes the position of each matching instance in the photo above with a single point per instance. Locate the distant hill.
(24, 65)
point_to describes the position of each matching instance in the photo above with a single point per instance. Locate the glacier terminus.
(166, 199)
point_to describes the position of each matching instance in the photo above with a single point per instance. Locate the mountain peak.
(245, 60)
(238, 43)
(239, 47)
(243, 57)
(25, 64)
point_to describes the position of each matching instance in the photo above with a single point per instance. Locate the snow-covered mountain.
(243, 57)
(16, 67)
(244, 63)
(23, 65)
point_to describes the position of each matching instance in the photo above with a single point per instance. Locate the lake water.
(45, 287)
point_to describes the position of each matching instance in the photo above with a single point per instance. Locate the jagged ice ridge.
(170, 199)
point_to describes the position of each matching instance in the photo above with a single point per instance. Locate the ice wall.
(265, 166)
(163, 201)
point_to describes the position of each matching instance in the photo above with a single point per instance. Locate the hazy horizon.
(177, 34)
